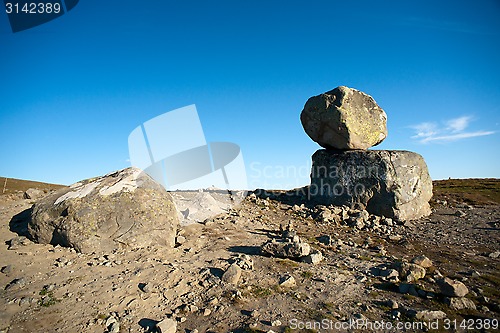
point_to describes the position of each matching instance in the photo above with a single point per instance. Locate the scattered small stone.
(7, 270)
(388, 273)
(17, 242)
(232, 274)
(244, 261)
(313, 258)
(422, 261)
(180, 240)
(452, 288)
(207, 312)
(146, 287)
(167, 325)
(275, 323)
(427, 315)
(287, 281)
(460, 303)
(327, 240)
(254, 314)
(460, 213)
(112, 325)
(411, 272)
(16, 284)
(494, 255)
(392, 304)
(395, 238)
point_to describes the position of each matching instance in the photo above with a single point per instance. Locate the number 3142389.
(33, 8)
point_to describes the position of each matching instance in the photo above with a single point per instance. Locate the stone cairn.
(391, 183)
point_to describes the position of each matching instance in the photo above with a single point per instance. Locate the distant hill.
(12, 185)
(472, 191)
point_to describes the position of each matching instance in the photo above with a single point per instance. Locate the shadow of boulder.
(148, 325)
(19, 223)
(250, 250)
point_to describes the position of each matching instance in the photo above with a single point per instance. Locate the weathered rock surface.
(411, 272)
(232, 274)
(460, 303)
(394, 184)
(33, 193)
(167, 325)
(344, 118)
(126, 207)
(452, 288)
(422, 261)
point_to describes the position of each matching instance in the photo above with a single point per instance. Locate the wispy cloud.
(450, 130)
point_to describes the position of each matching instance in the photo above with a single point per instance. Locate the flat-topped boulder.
(344, 118)
(388, 183)
(124, 208)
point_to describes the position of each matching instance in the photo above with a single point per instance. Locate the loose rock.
(422, 261)
(232, 274)
(100, 214)
(460, 303)
(452, 288)
(167, 326)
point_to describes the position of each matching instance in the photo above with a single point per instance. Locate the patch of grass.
(287, 262)
(258, 291)
(101, 316)
(491, 290)
(18, 185)
(48, 298)
(365, 258)
(472, 191)
(307, 274)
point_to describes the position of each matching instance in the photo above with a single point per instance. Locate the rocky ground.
(218, 278)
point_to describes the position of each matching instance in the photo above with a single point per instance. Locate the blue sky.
(73, 89)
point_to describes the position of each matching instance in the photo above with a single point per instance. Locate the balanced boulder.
(390, 183)
(344, 118)
(125, 208)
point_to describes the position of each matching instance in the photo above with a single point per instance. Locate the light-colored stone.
(344, 118)
(460, 303)
(422, 261)
(428, 315)
(232, 274)
(167, 325)
(410, 272)
(33, 193)
(287, 281)
(126, 207)
(313, 258)
(452, 288)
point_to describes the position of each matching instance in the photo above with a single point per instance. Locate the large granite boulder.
(124, 208)
(390, 183)
(344, 118)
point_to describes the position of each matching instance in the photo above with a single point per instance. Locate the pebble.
(275, 323)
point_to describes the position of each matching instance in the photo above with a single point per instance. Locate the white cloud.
(452, 130)
(458, 124)
(455, 137)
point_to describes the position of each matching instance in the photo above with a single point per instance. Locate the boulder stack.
(389, 183)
